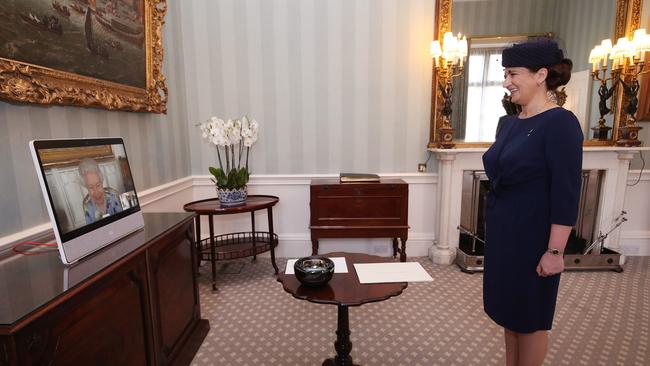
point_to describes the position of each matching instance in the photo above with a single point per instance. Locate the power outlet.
(422, 167)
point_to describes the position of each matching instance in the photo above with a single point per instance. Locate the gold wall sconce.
(628, 62)
(449, 59)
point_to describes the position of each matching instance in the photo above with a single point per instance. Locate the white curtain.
(484, 94)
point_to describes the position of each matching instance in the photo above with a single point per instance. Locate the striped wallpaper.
(337, 85)
(157, 144)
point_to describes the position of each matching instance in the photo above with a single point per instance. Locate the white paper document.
(339, 265)
(391, 272)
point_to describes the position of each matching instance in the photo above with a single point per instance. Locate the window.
(484, 93)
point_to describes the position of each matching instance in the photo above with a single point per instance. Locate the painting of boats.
(102, 39)
(125, 32)
(48, 23)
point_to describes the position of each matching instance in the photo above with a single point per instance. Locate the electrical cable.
(641, 172)
(429, 157)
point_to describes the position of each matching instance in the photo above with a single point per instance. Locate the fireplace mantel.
(452, 162)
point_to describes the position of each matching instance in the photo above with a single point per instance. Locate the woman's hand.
(550, 264)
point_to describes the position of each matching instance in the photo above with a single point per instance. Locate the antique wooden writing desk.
(359, 210)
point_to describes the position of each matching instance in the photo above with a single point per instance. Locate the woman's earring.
(551, 96)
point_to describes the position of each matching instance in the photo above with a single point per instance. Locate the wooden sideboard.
(135, 302)
(359, 210)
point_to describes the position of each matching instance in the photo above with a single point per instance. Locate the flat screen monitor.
(89, 193)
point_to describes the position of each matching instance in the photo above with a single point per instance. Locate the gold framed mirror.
(625, 18)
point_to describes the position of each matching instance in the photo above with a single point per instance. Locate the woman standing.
(534, 167)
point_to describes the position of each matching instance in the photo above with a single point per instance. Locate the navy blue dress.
(534, 167)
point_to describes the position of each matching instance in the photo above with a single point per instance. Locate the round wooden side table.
(343, 290)
(234, 245)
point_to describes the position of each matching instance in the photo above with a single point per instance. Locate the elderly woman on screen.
(100, 201)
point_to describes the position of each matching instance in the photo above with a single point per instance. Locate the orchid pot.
(233, 140)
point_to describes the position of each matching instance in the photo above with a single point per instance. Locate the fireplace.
(471, 240)
(613, 161)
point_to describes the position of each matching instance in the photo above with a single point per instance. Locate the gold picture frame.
(23, 82)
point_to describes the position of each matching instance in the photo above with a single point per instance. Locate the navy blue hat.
(532, 54)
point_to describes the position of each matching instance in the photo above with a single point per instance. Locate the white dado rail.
(452, 162)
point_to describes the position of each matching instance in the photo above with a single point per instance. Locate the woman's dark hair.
(558, 74)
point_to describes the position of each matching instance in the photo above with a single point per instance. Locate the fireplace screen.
(476, 187)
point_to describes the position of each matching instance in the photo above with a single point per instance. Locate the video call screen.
(87, 185)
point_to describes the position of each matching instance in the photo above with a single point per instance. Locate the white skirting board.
(291, 215)
(299, 245)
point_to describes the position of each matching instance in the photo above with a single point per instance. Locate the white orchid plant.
(231, 138)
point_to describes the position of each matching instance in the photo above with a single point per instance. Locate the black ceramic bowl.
(314, 270)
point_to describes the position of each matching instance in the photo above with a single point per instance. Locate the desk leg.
(394, 247)
(314, 247)
(402, 256)
(343, 345)
(272, 238)
(254, 236)
(213, 257)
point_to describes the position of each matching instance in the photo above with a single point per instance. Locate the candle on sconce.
(447, 39)
(463, 50)
(450, 49)
(615, 56)
(593, 60)
(639, 38)
(606, 48)
(641, 41)
(436, 51)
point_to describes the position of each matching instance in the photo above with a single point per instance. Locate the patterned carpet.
(602, 318)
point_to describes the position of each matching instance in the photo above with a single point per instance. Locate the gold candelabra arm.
(595, 75)
(458, 73)
(641, 66)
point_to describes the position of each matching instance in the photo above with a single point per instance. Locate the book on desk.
(358, 177)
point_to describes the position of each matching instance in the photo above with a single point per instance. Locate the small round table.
(234, 245)
(343, 290)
